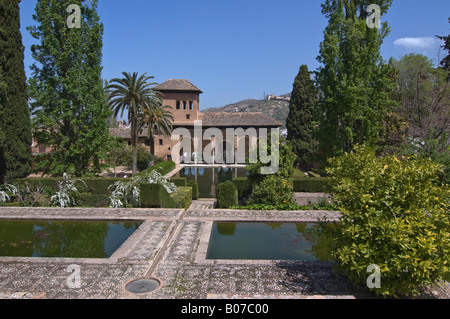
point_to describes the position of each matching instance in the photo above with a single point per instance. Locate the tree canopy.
(300, 120)
(355, 84)
(69, 109)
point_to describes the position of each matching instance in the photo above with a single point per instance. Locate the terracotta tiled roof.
(244, 119)
(177, 85)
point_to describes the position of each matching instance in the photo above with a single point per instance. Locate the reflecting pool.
(71, 239)
(269, 241)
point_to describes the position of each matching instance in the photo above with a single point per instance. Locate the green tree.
(67, 89)
(356, 85)
(445, 63)
(300, 120)
(134, 95)
(424, 97)
(15, 125)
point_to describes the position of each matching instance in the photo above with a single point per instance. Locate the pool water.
(208, 178)
(69, 239)
(269, 241)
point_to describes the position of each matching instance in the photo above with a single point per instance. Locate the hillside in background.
(276, 107)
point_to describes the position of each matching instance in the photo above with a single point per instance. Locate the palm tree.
(132, 94)
(157, 120)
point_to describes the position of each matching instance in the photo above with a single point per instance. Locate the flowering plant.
(126, 193)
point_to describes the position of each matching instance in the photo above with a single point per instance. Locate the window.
(184, 105)
(191, 105)
(178, 105)
(188, 116)
(160, 141)
(41, 148)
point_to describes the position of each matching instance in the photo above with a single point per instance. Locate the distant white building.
(279, 98)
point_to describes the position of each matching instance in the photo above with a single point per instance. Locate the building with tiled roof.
(177, 85)
(184, 99)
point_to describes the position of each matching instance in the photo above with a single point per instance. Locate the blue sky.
(234, 50)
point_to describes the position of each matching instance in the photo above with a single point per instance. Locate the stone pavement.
(170, 245)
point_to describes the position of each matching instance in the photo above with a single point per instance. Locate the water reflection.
(274, 241)
(209, 177)
(63, 238)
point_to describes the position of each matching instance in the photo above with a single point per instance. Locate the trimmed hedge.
(303, 184)
(227, 195)
(13, 204)
(95, 185)
(153, 196)
(182, 198)
(94, 200)
(156, 196)
(243, 186)
(163, 167)
(194, 186)
(179, 181)
(311, 185)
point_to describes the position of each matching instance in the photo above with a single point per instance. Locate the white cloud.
(417, 43)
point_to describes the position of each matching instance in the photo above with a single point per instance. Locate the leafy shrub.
(144, 158)
(67, 194)
(33, 195)
(6, 191)
(394, 215)
(277, 188)
(227, 195)
(273, 190)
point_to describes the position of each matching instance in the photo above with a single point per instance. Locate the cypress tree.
(67, 88)
(300, 121)
(15, 126)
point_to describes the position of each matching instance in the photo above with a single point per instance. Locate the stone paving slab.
(168, 246)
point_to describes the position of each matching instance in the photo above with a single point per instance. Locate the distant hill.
(276, 107)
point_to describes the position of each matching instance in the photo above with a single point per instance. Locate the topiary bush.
(395, 215)
(156, 196)
(243, 186)
(194, 186)
(227, 195)
(153, 196)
